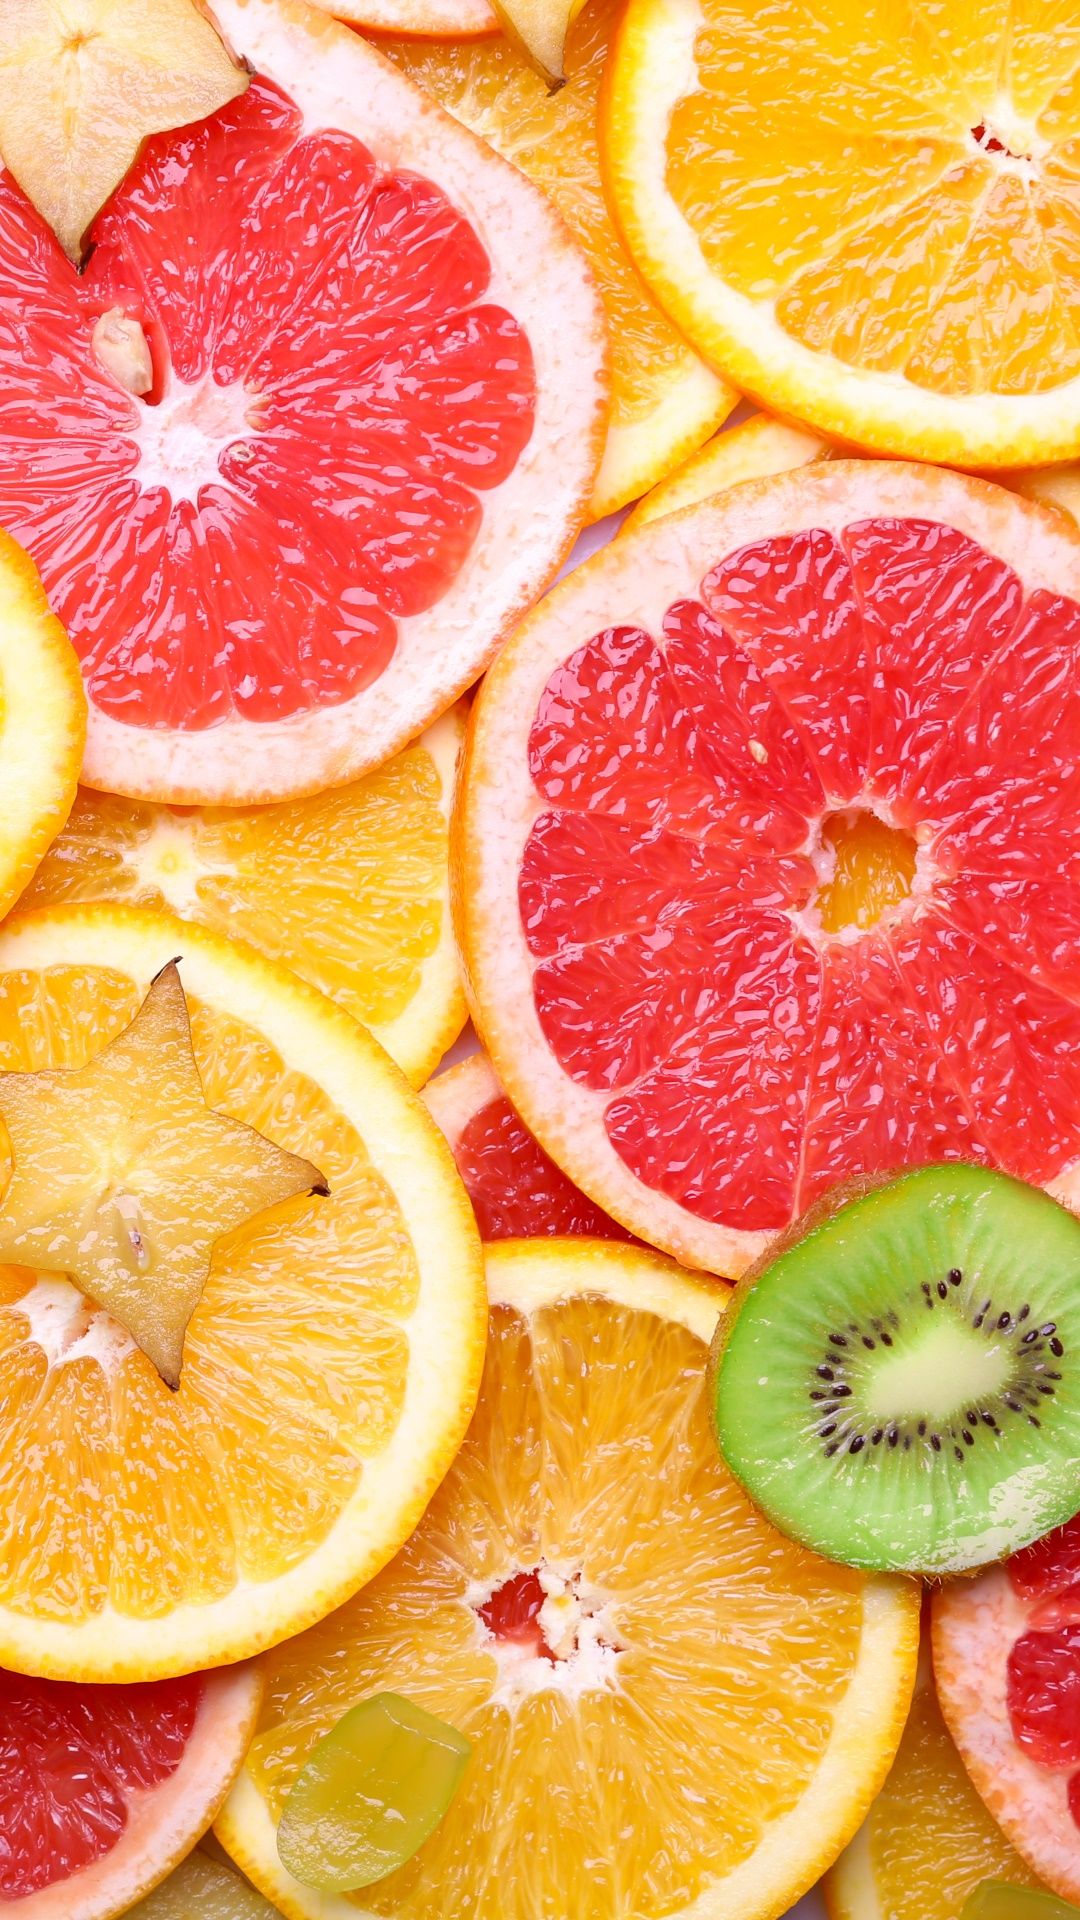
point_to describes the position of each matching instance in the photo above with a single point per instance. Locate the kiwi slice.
(898, 1386)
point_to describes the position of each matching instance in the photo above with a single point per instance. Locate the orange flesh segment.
(590, 1454)
(906, 195)
(294, 1368)
(873, 872)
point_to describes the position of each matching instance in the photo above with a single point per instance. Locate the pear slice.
(538, 28)
(124, 1178)
(83, 84)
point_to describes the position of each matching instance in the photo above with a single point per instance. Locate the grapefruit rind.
(165, 1821)
(975, 1626)
(42, 722)
(529, 1275)
(633, 581)
(447, 1329)
(753, 450)
(339, 81)
(454, 1096)
(653, 68)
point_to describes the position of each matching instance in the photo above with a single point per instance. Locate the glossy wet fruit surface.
(1000, 1900)
(788, 883)
(1007, 1657)
(656, 1685)
(202, 1889)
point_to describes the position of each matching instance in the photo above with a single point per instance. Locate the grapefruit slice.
(927, 1841)
(664, 400)
(517, 1191)
(764, 857)
(378, 397)
(1007, 1660)
(330, 1368)
(672, 1709)
(103, 1789)
(867, 218)
(349, 888)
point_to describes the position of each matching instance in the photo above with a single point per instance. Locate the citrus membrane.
(1005, 1655)
(103, 1788)
(372, 1791)
(998, 1900)
(335, 343)
(330, 1367)
(517, 1191)
(672, 1709)
(349, 888)
(895, 1387)
(867, 217)
(664, 399)
(700, 768)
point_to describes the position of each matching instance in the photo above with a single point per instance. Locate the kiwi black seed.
(899, 1387)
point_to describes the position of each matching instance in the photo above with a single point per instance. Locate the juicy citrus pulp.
(329, 1369)
(1005, 1655)
(349, 888)
(371, 1792)
(868, 220)
(102, 1789)
(42, 722)
(335, 345)
(649, 859)
(927, 1841)
(672, 1710)
(664, 399)
(517, 1191)
(202, 1889)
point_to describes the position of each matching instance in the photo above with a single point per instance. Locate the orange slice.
(673, 1711)
(664, 401)
(753, 450)
(330, 1367)
(928, 1840)
(866, 216)
(42, 722)
(349, 888)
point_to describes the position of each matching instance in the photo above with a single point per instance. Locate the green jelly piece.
(997, 1900)
(374, 1789)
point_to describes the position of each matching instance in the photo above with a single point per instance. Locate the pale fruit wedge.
(927, 1841)
(751, 451)
(865, 215)
(672, 1710)
(664, 400)
(538, 28)
(422, 19)
(330, 1368)
(104, 1789)
(203, 1889)
(42, 722)
(350, 888)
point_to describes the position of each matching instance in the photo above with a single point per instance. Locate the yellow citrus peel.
(124, 1178)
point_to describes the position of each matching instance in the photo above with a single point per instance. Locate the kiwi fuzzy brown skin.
(817, 1217)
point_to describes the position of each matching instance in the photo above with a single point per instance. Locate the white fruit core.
(168, 861)
(182, 438)
(577, 1631)
(67, 1326)
(946, 1369)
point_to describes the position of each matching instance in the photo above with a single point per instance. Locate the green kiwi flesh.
(899, 1388)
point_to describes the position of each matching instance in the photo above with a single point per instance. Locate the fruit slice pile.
(868, 216)
(329, 1370)
(348, 888)
(664, 399)
(672, 1710)
(1007, 1659)
(102, 1789)
(766, 845)
(516, 1190)
(371, 430)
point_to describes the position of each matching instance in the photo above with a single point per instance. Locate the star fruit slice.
(539, 29)
(124, 1179)
(84, 82)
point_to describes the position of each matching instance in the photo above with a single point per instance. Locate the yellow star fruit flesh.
(124, 1179)
(84, 82)
(539, 28)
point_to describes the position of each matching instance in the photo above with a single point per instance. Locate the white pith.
(181, 439)
(576, 1624)
(169, 859)
(67, 1327)
(632, 583)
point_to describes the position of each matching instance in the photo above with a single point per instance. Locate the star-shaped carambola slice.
(124, 1178)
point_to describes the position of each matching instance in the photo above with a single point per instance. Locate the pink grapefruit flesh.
(280, 561)
(103, 1788)
(516, 1189)
(690, 772)
(1007, 1660)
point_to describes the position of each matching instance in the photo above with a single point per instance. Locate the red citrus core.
(512, 1614)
